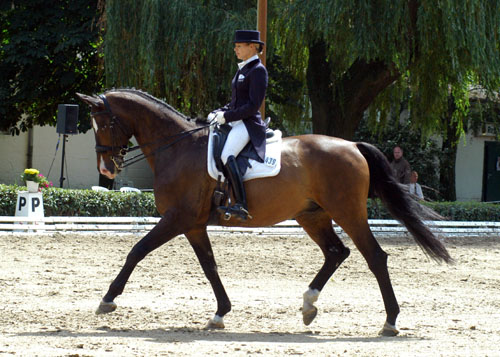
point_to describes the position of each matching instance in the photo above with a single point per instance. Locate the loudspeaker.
(67, 119)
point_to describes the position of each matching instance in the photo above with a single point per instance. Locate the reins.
(142, 156)
(125, 149)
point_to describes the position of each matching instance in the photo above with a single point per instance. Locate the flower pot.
(32, 186)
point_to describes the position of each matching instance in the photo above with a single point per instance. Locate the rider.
(248, 92)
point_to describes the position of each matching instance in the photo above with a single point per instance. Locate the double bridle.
(118, 159)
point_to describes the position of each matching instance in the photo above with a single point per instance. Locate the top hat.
(247, 36)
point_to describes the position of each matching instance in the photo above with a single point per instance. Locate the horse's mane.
(151, 98)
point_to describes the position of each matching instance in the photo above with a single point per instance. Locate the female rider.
(242, 113)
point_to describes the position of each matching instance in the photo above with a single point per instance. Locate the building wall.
(82, 172)
(81, 166)
(469, 167)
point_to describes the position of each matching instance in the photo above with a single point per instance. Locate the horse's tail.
(400, 204)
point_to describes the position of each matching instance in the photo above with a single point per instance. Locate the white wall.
(82, 171)
(13, 150)
(81, 163)
(469, 167)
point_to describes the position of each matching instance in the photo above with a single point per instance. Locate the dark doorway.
(491, 173)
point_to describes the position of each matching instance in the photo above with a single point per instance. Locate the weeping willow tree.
(340, 56)
(365, 54)
(180, 50)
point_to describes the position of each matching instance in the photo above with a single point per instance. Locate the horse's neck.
(154, 129)
(157, 132)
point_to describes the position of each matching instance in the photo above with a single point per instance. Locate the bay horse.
(322, 179)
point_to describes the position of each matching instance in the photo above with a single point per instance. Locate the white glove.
(211, 116)
(219, 116)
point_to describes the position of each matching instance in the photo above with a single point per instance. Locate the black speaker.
(67, 119)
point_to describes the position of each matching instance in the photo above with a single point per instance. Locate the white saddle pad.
(270, 167)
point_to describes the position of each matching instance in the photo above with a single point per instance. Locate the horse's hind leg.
(160, 234)
(376, 258)
(319, 227)
(201, 244)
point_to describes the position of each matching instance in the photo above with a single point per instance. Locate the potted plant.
(34, 179)
(44, 183)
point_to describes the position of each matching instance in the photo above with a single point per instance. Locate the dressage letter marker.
(29, 205)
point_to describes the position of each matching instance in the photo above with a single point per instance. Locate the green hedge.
(63, 202)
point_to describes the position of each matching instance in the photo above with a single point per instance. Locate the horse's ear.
(92, 101)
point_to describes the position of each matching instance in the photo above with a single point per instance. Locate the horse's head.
(111, 135)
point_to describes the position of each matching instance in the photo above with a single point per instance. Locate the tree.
(365, 54)
(48, 51)
(180, 50)
(352, 55)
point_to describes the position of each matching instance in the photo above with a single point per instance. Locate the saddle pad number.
(270, 161)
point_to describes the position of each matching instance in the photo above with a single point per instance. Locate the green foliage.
(62, 202)
(432, 45)
(182, 51)
(178, 50)
(48, 51)
(87, 203)
(8, 199)
(453, 211)
(467, 211)
(287, 99)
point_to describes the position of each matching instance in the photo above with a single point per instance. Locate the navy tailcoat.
(248, 92)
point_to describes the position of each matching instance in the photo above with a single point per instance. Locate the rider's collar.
(244, 63)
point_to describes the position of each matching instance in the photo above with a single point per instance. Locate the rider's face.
(244, 51)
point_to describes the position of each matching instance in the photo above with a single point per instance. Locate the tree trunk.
(320, 90)
(337, 108)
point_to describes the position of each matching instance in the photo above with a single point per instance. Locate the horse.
(322, 178)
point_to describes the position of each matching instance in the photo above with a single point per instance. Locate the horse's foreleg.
(319, 227)
(159, 235)
(201, 244)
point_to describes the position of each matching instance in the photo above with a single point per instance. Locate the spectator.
(415, 188)
(400, 167)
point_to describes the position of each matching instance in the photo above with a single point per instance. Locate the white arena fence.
(142, 225)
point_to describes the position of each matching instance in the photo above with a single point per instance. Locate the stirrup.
(238, 210)
(224, 210)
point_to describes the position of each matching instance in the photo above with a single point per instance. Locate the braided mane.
(151, 98)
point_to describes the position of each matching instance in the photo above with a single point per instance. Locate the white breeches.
(236, 140)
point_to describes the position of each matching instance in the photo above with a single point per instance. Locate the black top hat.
(247, 36)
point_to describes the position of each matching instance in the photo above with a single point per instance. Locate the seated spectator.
(415, 188)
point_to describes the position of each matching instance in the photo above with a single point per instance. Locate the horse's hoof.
(217, 323)
(105, 308)
(388, 330)
(309, 315)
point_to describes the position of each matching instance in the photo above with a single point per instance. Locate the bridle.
(121, 150)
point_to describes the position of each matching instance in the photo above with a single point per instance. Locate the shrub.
(64, 202)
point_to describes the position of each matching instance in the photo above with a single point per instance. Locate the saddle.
(248, 161)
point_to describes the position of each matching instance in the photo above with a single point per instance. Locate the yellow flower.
(31, 175)
(31, 171)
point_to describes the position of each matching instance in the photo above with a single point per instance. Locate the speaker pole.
(61, 179)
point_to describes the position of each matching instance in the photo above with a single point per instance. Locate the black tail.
(401, 205)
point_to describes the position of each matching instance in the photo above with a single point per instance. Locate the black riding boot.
(240, 208)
